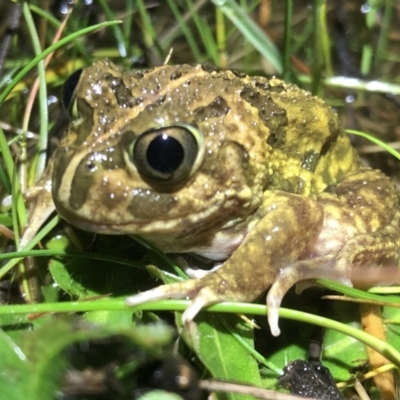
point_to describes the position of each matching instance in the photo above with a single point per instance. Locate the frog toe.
(202, 296)
(205, 297)
(319, 267)
(177, 290)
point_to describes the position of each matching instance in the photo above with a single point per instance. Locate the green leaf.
(391, 316)
(160, 395)
(217, 343)
(342, 353)
(84, 278)
(14, 370)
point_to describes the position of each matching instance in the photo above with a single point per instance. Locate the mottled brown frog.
(251, 172)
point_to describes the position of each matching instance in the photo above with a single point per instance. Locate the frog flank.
(251, 172)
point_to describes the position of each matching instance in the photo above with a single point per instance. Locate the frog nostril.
(91, 166)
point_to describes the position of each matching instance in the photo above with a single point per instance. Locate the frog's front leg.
(288, 227)
(41, 205)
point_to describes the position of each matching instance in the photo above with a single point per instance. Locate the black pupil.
(165, 154)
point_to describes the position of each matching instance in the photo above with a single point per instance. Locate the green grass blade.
(205, 33)
(186, 31)
(372, 139)
(119, 37)
(49, 50)
(38, 237)
(5, 176)
(288, 40)
(384, 33)
(251, 31)
(44, 14)
(44, 117)
(180, 305)
(149, 33)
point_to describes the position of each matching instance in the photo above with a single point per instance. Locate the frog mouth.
(162, 226)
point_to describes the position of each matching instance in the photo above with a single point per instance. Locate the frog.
(253, 173)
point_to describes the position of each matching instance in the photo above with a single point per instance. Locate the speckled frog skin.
(251, 172)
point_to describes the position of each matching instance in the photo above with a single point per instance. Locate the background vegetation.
(347, 52)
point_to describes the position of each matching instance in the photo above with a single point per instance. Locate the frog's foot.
(42, 206)
(319, 267)
(194, 289)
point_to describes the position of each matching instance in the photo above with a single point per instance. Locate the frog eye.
(68, 93)
(168, 154)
